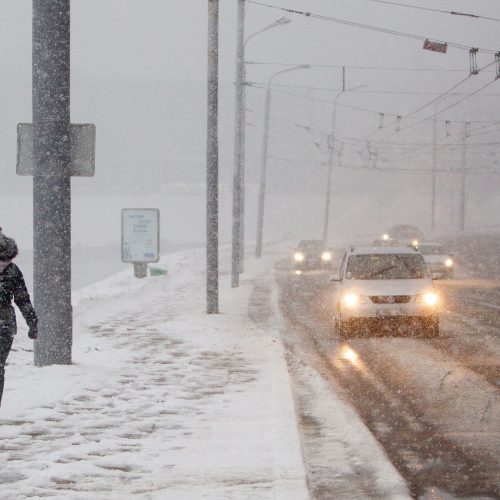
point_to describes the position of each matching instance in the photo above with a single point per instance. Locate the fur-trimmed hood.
(8, 248)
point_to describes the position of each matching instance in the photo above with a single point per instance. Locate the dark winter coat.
(12, 287)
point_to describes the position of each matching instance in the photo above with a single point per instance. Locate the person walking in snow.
(12, 286)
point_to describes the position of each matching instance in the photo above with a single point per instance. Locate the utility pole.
(239, 130)
(463, 180)
(331, 149)
(434, 162)
(263, 171)
(52, 180)
(263, 175)
(213, 159)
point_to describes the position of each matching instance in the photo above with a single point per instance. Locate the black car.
(312, 254)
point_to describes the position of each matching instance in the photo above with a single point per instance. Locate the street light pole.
(239, 125)
(263, 172)
(52, 181)
(434, 165)
(213, 159)
(463, 179)
(331, 147)
(238, 227)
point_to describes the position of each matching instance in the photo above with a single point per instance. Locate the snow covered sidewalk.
(162, 401)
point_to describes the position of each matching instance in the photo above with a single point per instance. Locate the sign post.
(140, 238)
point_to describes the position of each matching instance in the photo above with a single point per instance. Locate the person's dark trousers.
(5, 345)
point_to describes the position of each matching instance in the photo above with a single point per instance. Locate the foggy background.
(139, 73)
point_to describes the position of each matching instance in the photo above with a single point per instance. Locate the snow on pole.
(213, 159)
(52, 180)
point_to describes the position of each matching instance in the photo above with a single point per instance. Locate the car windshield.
(431, 249)
(386, 267)
(311, 246)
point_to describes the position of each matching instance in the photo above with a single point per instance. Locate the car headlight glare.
(385, 237)
(448, 263)
(415, 243)
(326, 256)
(429, 299)
(352, 299)
(299, 257)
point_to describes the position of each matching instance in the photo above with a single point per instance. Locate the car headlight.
(326, 256)
(299, 257)
(448, 263)
(429, 298)
(385, 237)
(353, 299)
(415, 243)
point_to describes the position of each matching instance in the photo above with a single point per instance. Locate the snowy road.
(434, 405)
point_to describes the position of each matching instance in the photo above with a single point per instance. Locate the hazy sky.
(167, 38)
(152, 124)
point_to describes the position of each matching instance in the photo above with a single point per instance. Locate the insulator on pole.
(398, 123)
(448, 128)
(381, 120)
(474, 70)
(497, 63)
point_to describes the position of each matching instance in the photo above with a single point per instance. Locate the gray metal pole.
(263, 172)
(213, 159)
(331, 148)
(463, 180)
(52, 180)
(262, 182)
(434, 165)
(238, 149)
(243, 170)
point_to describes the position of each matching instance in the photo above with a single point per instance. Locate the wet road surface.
(433, 404)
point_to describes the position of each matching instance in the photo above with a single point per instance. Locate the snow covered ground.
(163, 401)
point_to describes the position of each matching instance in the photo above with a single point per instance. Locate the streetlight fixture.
(238, 236)
(331, 146)
(265, 143)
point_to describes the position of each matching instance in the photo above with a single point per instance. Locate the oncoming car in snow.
(406, 234)
(312, 254)
(437, 260)
(385, 286)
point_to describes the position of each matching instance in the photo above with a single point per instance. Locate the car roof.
(382, 250)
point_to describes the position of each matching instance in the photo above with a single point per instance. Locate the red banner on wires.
(435, 46)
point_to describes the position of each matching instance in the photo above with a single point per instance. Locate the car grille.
(390, 299)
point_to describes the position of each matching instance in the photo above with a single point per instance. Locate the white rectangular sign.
(140, 235)
(82, 149)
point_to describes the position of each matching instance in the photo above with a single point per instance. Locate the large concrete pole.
(238, 212)
(213, 159)
(52, 180)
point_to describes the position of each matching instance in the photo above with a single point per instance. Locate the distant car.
(312, 254)
(437, 260)
(385, 241)
(406, 234)
(385, 285)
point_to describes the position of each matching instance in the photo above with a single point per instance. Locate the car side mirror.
(437, 276)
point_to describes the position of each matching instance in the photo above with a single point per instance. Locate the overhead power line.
(374, 68)
(376, 91)
(368, 110)
(370, 27)
(440, 11)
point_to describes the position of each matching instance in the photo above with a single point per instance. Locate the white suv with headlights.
(385, 285)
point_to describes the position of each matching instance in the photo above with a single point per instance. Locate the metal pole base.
(140, 269)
